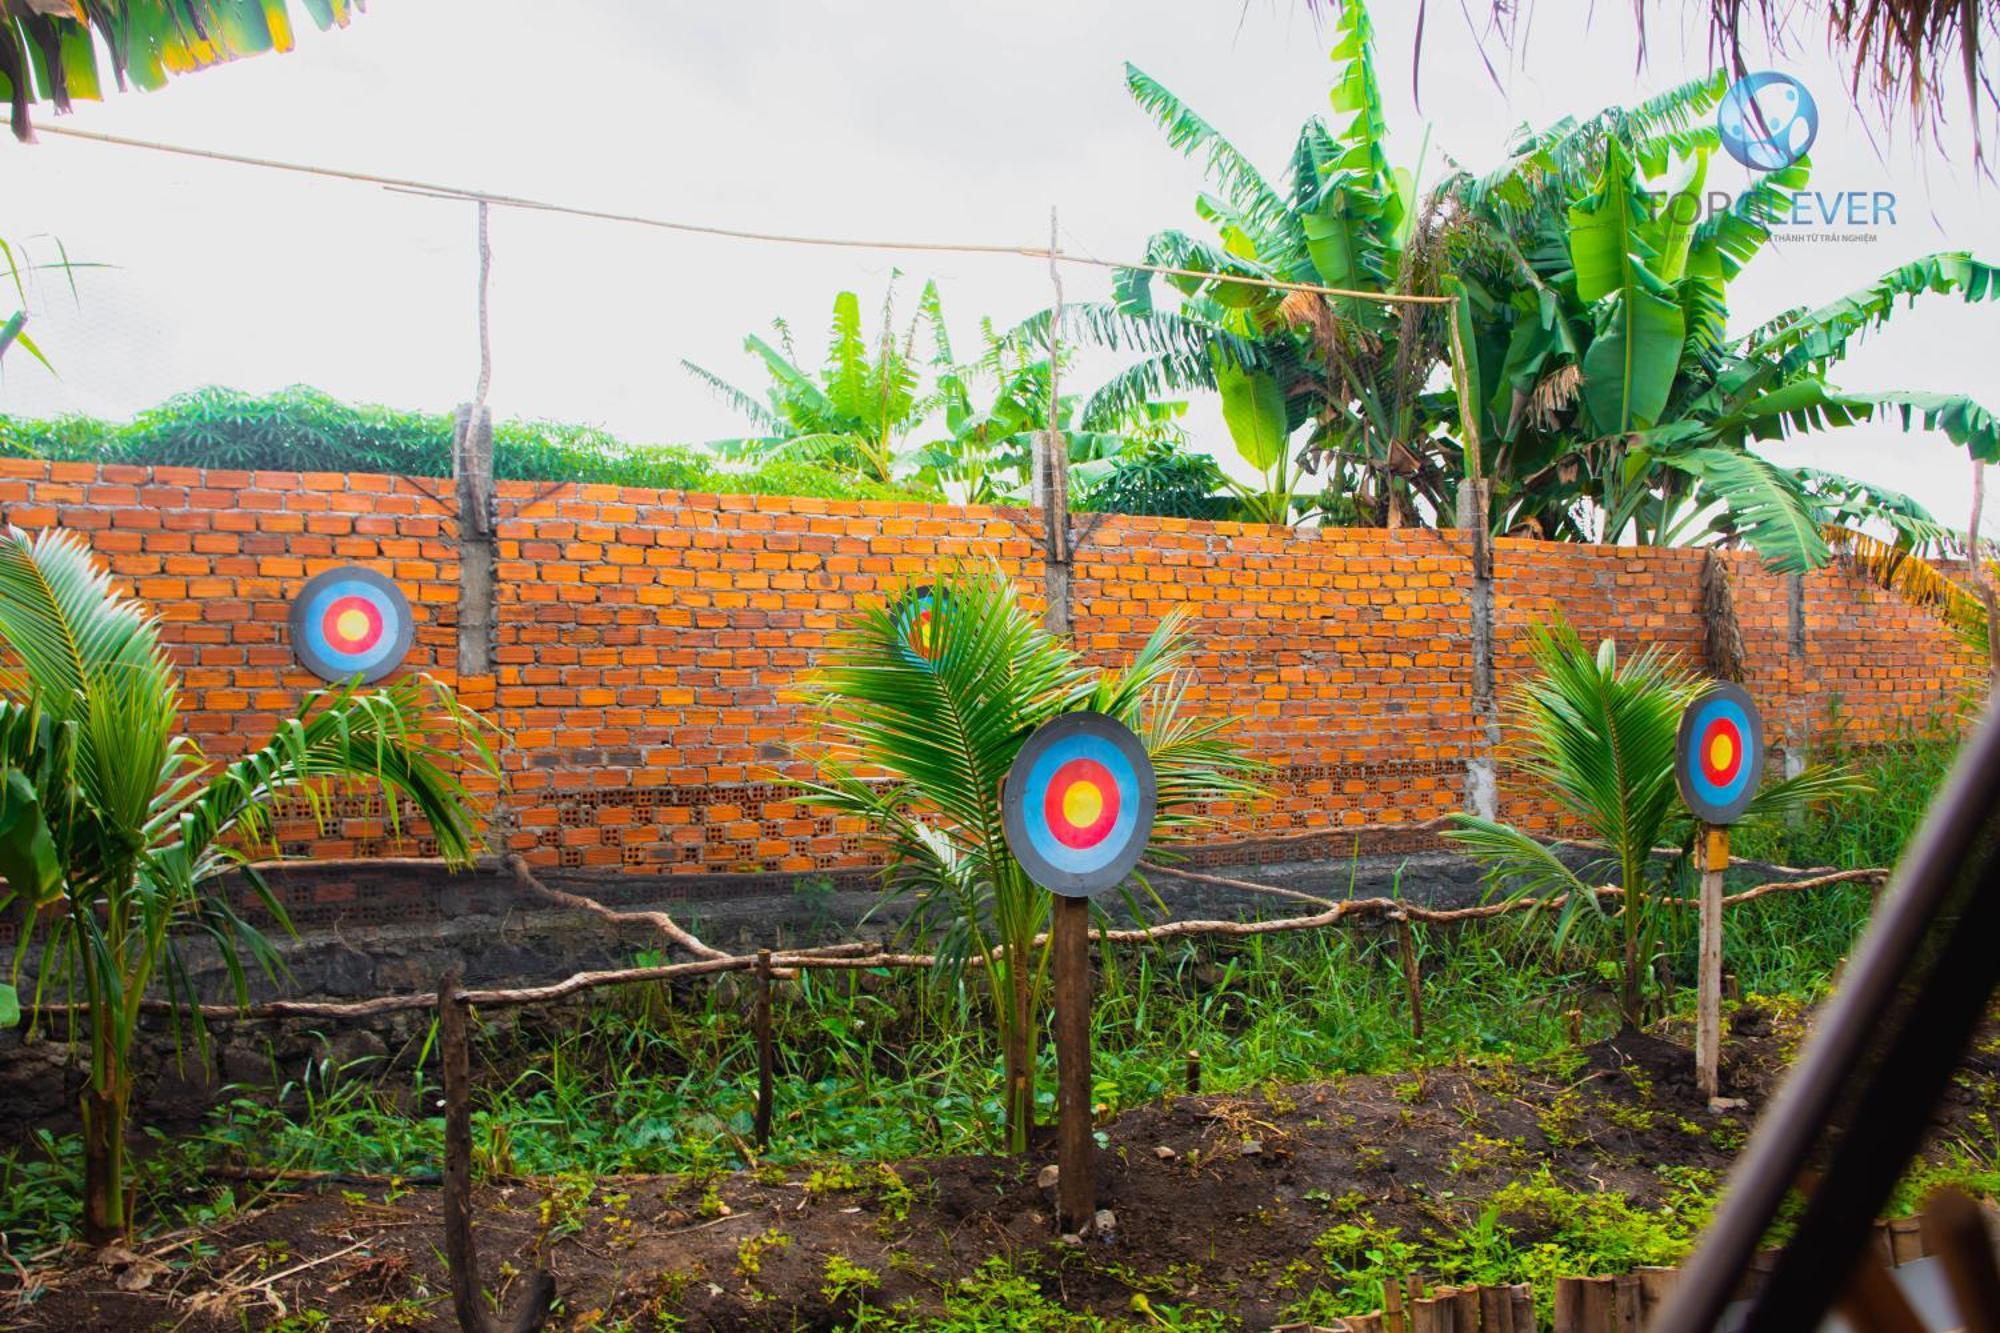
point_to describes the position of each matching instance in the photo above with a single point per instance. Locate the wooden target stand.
(1718, 762)
(1077, 809)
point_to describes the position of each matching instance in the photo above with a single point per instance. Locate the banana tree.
(986, 453)
(854, 415)
(116, 833)
(49, 49)
(1349, 372)
(1618, 405)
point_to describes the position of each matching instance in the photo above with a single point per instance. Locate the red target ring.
(352, 624)
(1721, 751)
(1081, 804)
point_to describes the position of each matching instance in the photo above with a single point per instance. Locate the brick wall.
(647, 641)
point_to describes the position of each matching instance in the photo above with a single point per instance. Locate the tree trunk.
(1019, 1095)
(1635, 884)
(104, 1218)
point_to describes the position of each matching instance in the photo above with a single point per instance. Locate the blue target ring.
(1719, 754)
(1078, 804)
(351, 622)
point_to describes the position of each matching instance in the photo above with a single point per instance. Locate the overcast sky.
(886, 119)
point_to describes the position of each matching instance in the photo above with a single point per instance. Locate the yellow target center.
(1720, 751)
(1082, 804)
(351, 625)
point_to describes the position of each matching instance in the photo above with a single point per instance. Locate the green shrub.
(1162, 480)
(302, 429)
(1871, 827)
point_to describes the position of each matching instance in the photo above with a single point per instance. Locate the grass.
(1870, 828)
(879, 1066)
(875, 1067)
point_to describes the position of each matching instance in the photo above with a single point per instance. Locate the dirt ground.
(1214, 1198)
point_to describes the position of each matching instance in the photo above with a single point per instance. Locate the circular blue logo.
(1767, 120)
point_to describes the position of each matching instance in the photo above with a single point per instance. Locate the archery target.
(1719, 754)
(351, 622)
(917, 620)
(1078, 804)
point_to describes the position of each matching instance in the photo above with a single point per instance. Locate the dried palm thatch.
(1917, 581)
(1906, 56)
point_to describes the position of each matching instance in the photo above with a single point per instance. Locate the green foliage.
(1596, 736)
(882, 1067)
(50, 52)
(1159, 479)
(1870, 826)
(1533, 1229)
(943, 729)
(844, 1280)
(125, 830)
(1353, 371)
(301, 429)
(1615, 403)
(854, 415)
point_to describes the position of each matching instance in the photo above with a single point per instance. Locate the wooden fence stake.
(1194, 1073)
(1076, 1148)
(764, 1053)
(468, 1296)
(1392, 1305)
(1522, 1299)
(1708, 1022)
(1407, 947)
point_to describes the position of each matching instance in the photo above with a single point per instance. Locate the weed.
(844, 1280)
(750, 1253)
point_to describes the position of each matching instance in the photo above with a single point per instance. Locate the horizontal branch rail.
(864, 956)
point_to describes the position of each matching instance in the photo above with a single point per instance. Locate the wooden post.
(1407, 948)
(1392, 1305)
(1522, 1298)
(1076, 1148)
(1194, 1073)
(762, 1018)
(1708, 1022)
(468, 1299)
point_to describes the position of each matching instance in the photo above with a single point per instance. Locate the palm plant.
(115, 833)
(915, 747)
(1596, 735)
(49, 48)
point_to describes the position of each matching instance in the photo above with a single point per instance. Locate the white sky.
(886, 118)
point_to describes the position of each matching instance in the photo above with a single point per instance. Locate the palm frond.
(1188, 133)
(1820, 337)
(1765, 504)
